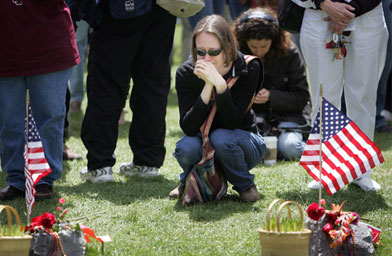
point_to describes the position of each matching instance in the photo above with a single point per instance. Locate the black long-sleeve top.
(231, 105)
(285, 78)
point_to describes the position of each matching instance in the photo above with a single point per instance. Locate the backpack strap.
(205, 128)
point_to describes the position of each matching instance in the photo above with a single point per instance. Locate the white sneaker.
(98, 175)
(131, 169)
(314, 184)
(367, 184)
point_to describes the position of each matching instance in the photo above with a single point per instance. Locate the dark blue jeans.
(47, 97)
(237, 150)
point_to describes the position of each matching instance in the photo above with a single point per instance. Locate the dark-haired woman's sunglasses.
(211, 53)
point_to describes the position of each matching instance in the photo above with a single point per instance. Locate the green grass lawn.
(142, 220)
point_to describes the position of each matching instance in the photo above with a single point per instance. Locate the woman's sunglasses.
(211, 53)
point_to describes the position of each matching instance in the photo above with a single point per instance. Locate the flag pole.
(26, 137)
(321, 139)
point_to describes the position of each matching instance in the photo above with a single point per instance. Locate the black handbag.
(290, 16)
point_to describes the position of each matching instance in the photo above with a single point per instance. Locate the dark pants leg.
(119, 49)
(151, 85)
(66, 122)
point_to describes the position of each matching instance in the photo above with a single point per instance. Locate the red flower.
(331, 216)
(327, 227)
(315, 212)
(356, 218)
(48, 219)
(36, 221)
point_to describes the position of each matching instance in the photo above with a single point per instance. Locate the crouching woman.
(203, 80)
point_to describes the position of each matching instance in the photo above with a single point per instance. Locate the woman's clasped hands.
(207, 71)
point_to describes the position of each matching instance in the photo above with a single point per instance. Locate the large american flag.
(36, 166)
(347, 152)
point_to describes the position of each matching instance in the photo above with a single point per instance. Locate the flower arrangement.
(49, 222)
(338, 223)
(63, 234)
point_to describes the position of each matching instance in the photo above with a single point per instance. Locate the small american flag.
(347, 152)
(36, 166)
(376, 232)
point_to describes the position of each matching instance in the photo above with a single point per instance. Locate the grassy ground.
(141, 220)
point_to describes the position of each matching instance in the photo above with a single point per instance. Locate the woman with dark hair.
(281, 102)
(202, 82)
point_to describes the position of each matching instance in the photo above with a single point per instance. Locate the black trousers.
(137, 48)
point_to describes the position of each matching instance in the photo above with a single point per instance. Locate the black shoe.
(384, 129)
(44, 191)
(10, 193)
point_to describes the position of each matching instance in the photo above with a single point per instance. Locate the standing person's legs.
(150, 90)
(208, 9)
(47, 97)
(68, 154)
(12, 129)
(108, 81)
(365, 62)
(319, 60)
(236, 8)
(77, 74)
(381, 123)
(295, 38)
(363, 66)
(186, 40)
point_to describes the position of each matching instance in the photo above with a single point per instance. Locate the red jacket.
(37, 38)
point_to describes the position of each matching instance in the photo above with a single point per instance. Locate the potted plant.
(288, 237)
(13, 241)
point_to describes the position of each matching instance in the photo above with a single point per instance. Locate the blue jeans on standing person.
(77, 74)
(382, 84)
(217, 7)
(237, 150)
(290, 143)
(47, 98)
